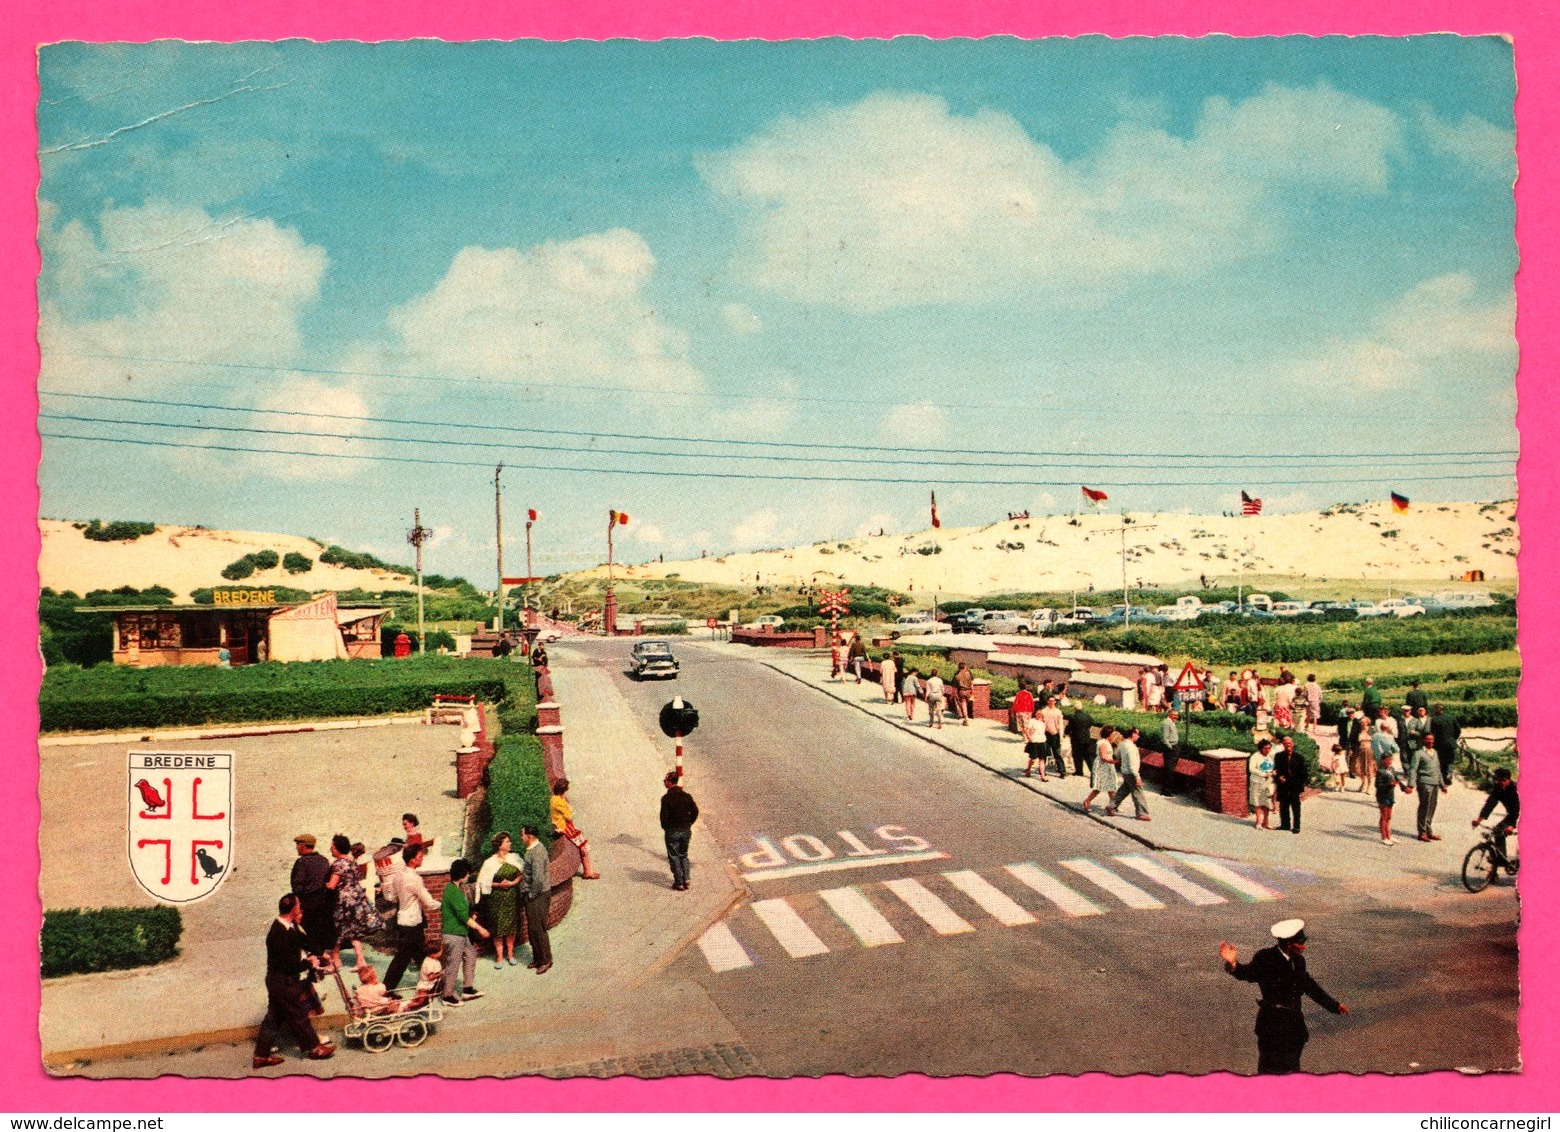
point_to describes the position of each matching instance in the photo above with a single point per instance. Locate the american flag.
(1250, 506)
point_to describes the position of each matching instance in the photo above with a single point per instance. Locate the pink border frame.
(23, 1084)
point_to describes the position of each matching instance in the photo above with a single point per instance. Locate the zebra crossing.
(963, 901)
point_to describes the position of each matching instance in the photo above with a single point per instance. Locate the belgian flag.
(1399, 502)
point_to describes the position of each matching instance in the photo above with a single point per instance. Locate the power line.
(756, 476)
(919, 452)
(590, 451)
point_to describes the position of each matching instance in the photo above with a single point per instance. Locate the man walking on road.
(678, 813)
(857, 656)
(538, 890)
(311, 877)
(405, 887)
(1425, 774)
(1129, 764)
(289, 997)
(1052, 721)
(1289, 780)
(1280, 973)
(964, 692)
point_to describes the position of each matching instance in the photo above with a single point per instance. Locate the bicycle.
(1483, 861)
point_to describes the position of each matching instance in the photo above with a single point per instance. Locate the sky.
(759, 294)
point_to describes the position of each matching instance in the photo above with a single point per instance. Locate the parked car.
(968, 621)
(912, 623)
(1040, 622)
(653, 659)
(1454, 600)
(773, 620)
(1396, 607)
(1002, 621)
(1295, 609)
(1260, 601)
(1082, 615)
(1177, 612)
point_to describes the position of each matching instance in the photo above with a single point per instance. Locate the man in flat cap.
(311, 877)
(1280, 972)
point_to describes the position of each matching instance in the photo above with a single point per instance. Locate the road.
(911, 911)
(857, 956)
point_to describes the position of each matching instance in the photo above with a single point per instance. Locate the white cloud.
(895, 200)
(563, 312)
(741, 318)
(924, 423)
(161, 282)
(760, 529)
(647, 533)
(757, 416)
(1486, 149)
(1440, 323)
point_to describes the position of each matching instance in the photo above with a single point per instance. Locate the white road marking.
(789, 929)
(722, 951)
(1171, 879)
(860, 916)
(1245, 886)
(1129, 894)
(924, 903)
(838, 864)
(1073, 903)
(992, 899)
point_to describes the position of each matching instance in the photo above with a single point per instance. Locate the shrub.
(78, 940)
(340, 556)
(295, 563)
(240, 568)
(117, 531)
(518, 792)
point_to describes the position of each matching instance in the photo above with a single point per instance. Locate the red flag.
(619, 519)
(936, 522)
(1250, 506)
(531, 515)
(1094, 496)
(1399, 502)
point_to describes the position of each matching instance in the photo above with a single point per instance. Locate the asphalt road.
(839, 965)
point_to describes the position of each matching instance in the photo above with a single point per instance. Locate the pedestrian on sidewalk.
(678, 813)
(457, 921)
(1416, 698)
(1447, 732)
(1313, 703)
(1051, 723)
(889, 674)
(1290, 775)
(315, 887)
(901, 668)
(1338, 766)
(1284, 703)
(1102, 772)
(1023, 706)
(497, 880)
(964, 693)
(1364, 753)
(406, 889)
(356, 918)
(1170, 738)
(910, 691)
(1424, 772)
(1080, 737)
(1280, 973)
(934, 700)
(1388, 779)
(289, 971)
(562, 815)
(1130, 763)
(1034, 746)
(1370, 700)
(1259, 784)
(538, 893)
(856, 656)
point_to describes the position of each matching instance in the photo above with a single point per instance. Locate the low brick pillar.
(469, 765)
(1224, 782)
(433, 925)
(980, 698)
(548, 715)
(552, 752)
(820, 637)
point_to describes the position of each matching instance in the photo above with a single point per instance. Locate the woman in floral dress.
(356, 916)
(496, 883)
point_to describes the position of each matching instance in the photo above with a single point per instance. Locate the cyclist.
(1504, 793)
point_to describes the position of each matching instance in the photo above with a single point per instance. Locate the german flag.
(1399, 502)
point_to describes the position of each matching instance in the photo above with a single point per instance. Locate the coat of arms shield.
(180, 842)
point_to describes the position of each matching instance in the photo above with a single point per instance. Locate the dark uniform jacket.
(1289, 773)
(1282, 979)
(1417, 699)
(1503, 796)
(1078, 730)
(1349, 733)
(284, 953)
(1446, 732)
(678, 809)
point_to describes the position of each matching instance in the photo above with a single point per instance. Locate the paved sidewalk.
(1340, 836)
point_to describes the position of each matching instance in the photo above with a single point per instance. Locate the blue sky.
(1247, 255)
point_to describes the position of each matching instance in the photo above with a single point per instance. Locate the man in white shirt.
(405, 888)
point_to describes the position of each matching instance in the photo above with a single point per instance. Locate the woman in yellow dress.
(563, 826)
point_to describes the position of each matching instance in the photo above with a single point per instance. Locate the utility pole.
(417, 536)
(498, 511)
(1122, 530)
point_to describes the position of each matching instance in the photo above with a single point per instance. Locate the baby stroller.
(378, 1032)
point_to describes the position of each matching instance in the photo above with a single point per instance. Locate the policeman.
(1280, 972)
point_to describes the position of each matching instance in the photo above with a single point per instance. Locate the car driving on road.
(653, 659)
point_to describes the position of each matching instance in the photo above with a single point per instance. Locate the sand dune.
(185, 559)
(1430, 543)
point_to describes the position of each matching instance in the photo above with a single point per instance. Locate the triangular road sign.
(1189, 680)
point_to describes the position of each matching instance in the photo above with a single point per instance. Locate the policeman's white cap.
(1286, 930)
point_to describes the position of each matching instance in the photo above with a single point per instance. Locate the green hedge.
(518, 793)
(1237, 641)
(115, 697)
(78, 940)
(1430, 680)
